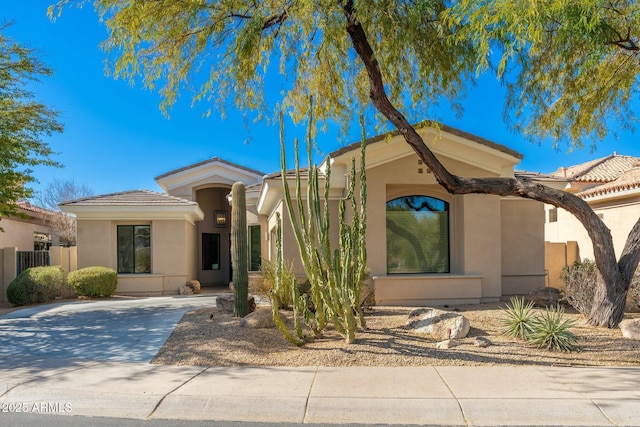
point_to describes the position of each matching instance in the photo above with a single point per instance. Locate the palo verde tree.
(401, 57)
(23, 122)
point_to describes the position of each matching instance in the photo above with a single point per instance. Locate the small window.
(41, 241)
(134, 249)
(254, 248)
(210, 251)
(553, 215)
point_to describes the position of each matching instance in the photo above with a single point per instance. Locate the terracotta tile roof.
(131, 198)
(627, 181)
(605, 169)
(204, 162)
(27, 206)
(536, 176)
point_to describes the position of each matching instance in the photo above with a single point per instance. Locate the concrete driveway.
(119, 329)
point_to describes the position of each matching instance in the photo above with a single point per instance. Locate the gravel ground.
(210, 337)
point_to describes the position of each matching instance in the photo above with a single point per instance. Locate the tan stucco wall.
(558, 256)
(19, 233)
(619, 217)
(172, 254)
(96, 244)
(523, 252)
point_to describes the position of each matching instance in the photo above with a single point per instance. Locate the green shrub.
(551, 331)
(36, 285)
(93, 281)
(517, 319)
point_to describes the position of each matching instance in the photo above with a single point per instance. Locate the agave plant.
(517, 319)
(551, 331)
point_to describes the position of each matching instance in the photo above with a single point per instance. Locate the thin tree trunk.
(610, 291)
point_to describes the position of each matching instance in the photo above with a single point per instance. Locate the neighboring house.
(424, 245)
(611, 186)
(30, 230)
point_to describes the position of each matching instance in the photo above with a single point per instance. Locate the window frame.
(132, 227)
(448, 253)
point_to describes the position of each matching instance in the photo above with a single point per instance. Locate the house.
(30, 230)
(611, 186)
(424, 245)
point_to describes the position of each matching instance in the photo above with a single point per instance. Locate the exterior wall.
(7, 270)
(475, 238)
(96, 244)
(523, 251)
(556, 257)
(618, 215)
(19, 233)
(172, 254)
(482, 242)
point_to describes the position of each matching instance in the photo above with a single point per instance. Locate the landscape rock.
(227, 303)
(262, 318)
(630, 328)
(185, 290)
(545, 297)
(194, 285)
(482, 342)
(437, 323)
(446, 344)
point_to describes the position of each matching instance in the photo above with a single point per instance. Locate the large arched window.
(417, 235)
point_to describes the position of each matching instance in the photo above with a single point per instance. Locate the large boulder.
(545, 297)
(439, 324)
(630, 328)
(227, 302)
(262, 318)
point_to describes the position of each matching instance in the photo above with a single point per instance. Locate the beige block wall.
(558, 256)
(523, 251)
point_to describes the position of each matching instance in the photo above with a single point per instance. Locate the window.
(41, 241)
(553, 215)
(210, 251)
(417, 235)
(134, 249)
(254, 248)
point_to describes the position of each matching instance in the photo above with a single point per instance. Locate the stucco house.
(30, 230)
(424, 245)
(611, 186)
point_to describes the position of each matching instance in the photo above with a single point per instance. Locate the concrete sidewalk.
(478, 396)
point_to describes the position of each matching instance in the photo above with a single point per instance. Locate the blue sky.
(117, 139)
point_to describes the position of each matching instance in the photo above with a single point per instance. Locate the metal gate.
(28, 259)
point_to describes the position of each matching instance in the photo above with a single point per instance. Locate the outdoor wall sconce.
(221, 219)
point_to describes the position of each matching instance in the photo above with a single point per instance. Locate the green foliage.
(23, 125)
(93, 281)
(283, 294)
(518, 318)
(570, 65)
(228, 50)
(551, 331)
(547, 329)
(335, 275)
(239, 249)
(36, 285)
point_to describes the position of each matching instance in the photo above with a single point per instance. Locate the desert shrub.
(579, 280)
(284, 295)
(517, 319)
(93, 281)
(36, 285)
(551, 331)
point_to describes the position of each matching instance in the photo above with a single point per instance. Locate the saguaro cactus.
(239, 248)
